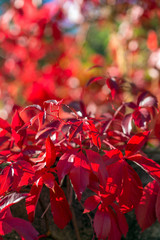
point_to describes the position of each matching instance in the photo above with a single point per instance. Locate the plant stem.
(74, 221)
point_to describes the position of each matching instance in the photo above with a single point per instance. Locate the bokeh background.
(48, 49)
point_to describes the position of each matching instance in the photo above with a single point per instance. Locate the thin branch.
(74, 221)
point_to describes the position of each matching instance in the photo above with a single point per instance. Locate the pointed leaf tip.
(50, 152)
(136, 143)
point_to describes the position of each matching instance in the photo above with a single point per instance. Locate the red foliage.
(41, 145)
(50, 141)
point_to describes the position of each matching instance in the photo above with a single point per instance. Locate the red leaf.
(33, 107)
(11, 199)
(80, 179)
(94, 66)
(136, 142)
(59, 207)
(131, 189)
(113, 86)
(127, 124)
(94, 134)
(50, 152)
(147, 100)
(65, 164)
(6, 180)
(4, 227)
(53, 102)
(75, 129)
(115, 233)
(16, 175)
(41, 119)
(27, 170)
(94, 79)
(5, 125)
(115, 177)
(91, 203)
(112, 156)
(31, 201)
(102, 223)
(122, 223)
(141, 117)
(79, 173)
(49, 180)
(157, 127)
(150, 166)
(97, 166)
(145, 211)
(17, 121)
(44, 132)
(30, 112)
(23, 228)
(158, 206)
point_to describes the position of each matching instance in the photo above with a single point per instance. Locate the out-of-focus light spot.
(138, 78)
(10, 64)
(22, 41)
(153, 73)
(125, 30)
(113, 71)
(92, 108)
(154, 59)
(53, 6)
(136, 13)
(18, 4)
(7, 17)
(14, 29)
(34, 44)
(72, 10)
(75, 93)
(133, 45)
(3, 114)
(37, 3)
(73, 82)
(105, 89)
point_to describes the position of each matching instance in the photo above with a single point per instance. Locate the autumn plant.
(44, 145)
(81, 141)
